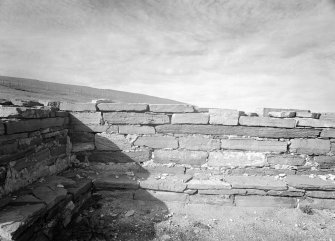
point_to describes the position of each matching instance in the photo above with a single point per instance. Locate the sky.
(236, 54)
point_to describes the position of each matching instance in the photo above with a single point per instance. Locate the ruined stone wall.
(226, 157)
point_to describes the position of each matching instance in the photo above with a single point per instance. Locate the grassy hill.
(31, 89)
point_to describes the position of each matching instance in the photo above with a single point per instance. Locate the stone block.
(266, 132)
(26, 199)
(256, 192)
(117, 194)
(94, 128)
(332, 148)
(267, 201)
(157, 141)
(282, 114)
(2, 128)
(62, 114)
(256, 182)
(254, 145)
(327, 116)
(67, 106)
(135, 118)
(208, 184)
(328, 133)
(120, 156)
(308, 122)
(321, 194)
(199, 143)
(171, 184)
(220, 200)
(310, 146)
(308, 115)
(119, 107)
(23, 112)
(264, 171)
(111, 182)
(289, 193)
(267, 110)
(81, 187)
(81, 137)
(222, 191)
(171, 108)
(139, 130)
(236, 159)
(13, 127)
(304, 182)
(267, 121)
(85, 146)
(325, 162)
(147, 195)
(317, 203)
(77, 118)
(289, 160)
(160, 169)
(50, 196)
(8, 148)
(58, 150)
(195, 158)
(190, 118)
(224, 117)
(111, 142)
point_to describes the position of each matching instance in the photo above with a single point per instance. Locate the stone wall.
(278, 158)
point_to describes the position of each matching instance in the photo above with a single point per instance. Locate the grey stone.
(304, 182)
(267, 110)
(221, 200)
(236, 159)
(267, 121)
(171, 108)
(282, 114)
(195, 158)
(136, 107)
(171, 184)
(267, 201)
(199, 143)
(157, 141)
(111, 142)
(290, 160)
(208, 184)
(147, 195)
(224, 116)
(135, 118)
(120, 156)
(85, 118)
(316, 123)
(310, 146)
(254, 145)
(67, 106)
(256, 182)
(86, 146)
(190, 118)
(133, 129)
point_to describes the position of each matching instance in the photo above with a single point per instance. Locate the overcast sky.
(238, 54)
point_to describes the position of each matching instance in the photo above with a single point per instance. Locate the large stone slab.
(208, 184)
(157, 141)
(14, 220)
(308, 122)
(321, 194)
(310, 146)
(23, 112)
(50, 196)
(84, 146)
(327, 116)
(136, 107)
(171, 108)
(85, 118)
(325, 162)
(190, 118)
(81, 137)
(328, 133)
(24, 200)
(196, 158)
(236, 159)
(317, 203)
(267, 201)
(120, 156)
(282, 114)
(308, 115)
(94, 128)
(171, 184)
(255, 182)
(111, 182)
(304, 182)
(267, 110)
(290, 160)
(222, 191)
(148, 195)
(2, 128)
(133, 129)
(267, 121)
(67, 106)
(254, 145)
(135, 118)
(266, 132)
(291, 192)
(221, 200)
(111, 142)
(34, 124)
(224, 117)
(199, 143)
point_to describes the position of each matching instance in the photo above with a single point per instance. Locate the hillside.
(31, 89)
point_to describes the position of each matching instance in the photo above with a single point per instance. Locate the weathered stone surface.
(94, 128)
(266, 132)
(267, 110)
(304, 182)
(325, 162)
(318, 203)
(171, 108)
(34, 124)
(159, 169)
(290, 160)
(4, 201)
(308, 115)
(264, 171)
(310, 146)
(62, 114)
(117, 194)
(49, 196)
(315, 123)
(256, 182)
(24, 200)
(199, 143)
(288, 193)
(190, 118)
(236, 159)
(132, 129)
(111, 182)
(327, 116)
(136, 107)
(77, 118)
(171, 184)
(157, 141)
(180, 157)
(8, 148)
(23, 112)
(147, 195)
(267, 121)
(321, 194)
(267, 201)
(328, 133)
(221, 200)
(208, 184)
(85, 146)
(224, 117)
(67, 106)
(2, 128)
(282, 114)
(81, 187)
(332, 148)
(111, 142)
(256, 192)
(135, 118)
(120, 156)
(254, 145)
(80, 137)
(222, 191)
(15, 220)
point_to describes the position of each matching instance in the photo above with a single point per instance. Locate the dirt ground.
(109, 218)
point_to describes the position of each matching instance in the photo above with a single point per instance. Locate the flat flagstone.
(256, 182)
(304, 182)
